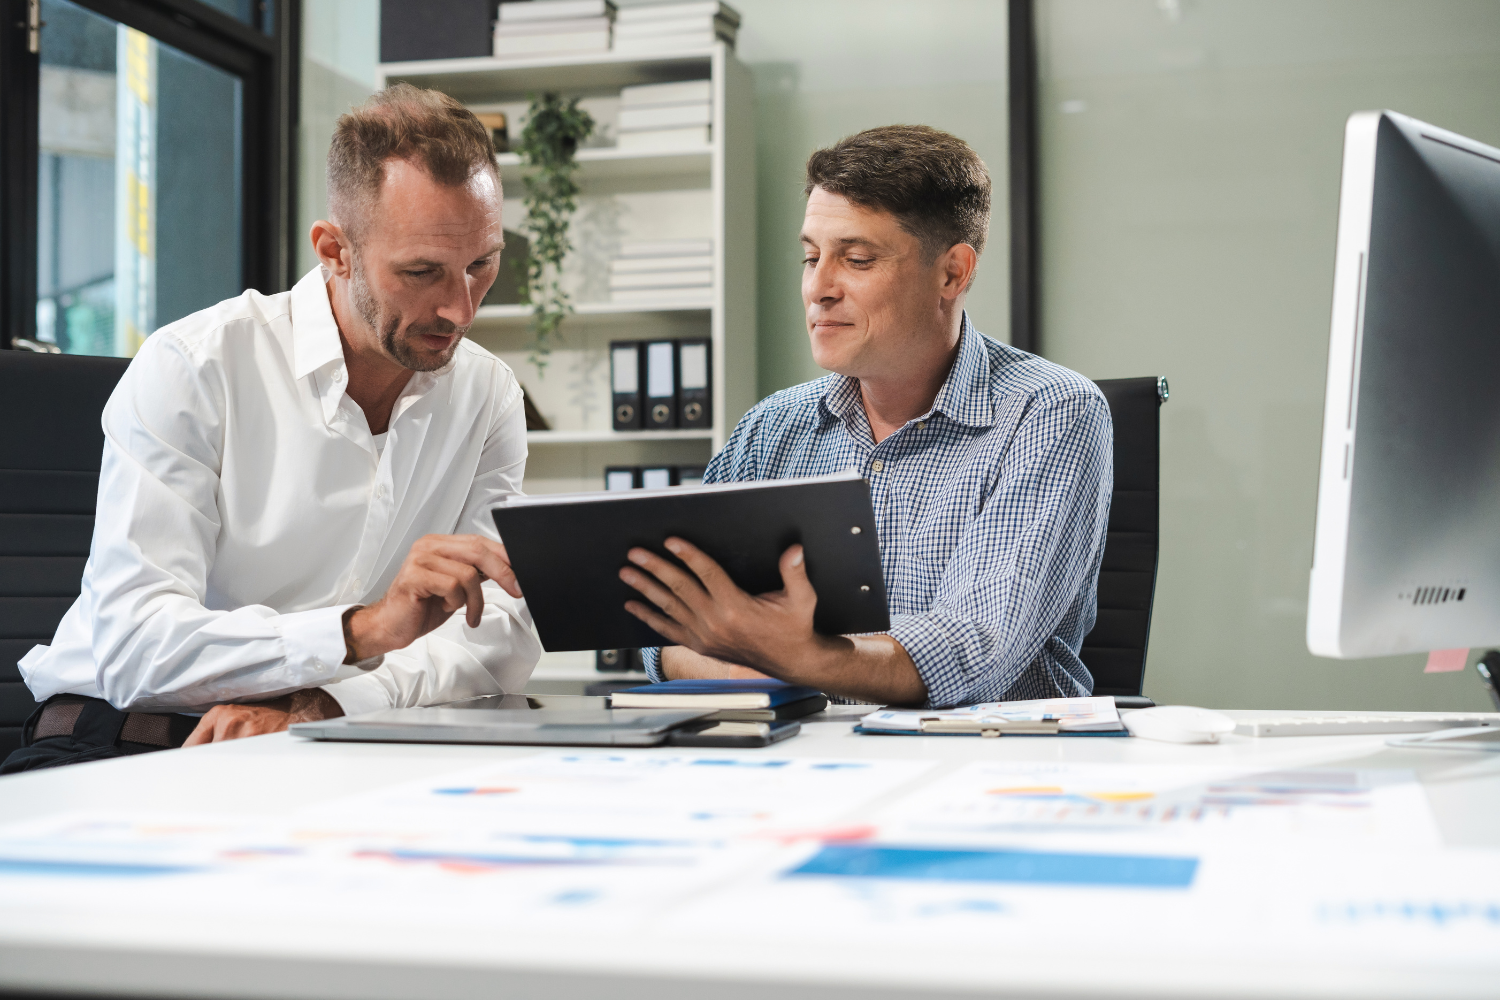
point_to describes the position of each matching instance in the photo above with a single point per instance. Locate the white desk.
(67, 948)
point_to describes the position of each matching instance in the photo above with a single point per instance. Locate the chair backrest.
(1115, 651)
(51, 443)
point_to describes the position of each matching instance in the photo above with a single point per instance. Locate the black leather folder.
(567, 551)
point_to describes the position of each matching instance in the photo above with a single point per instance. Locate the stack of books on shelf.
(539, 28)
(670, 272)
(666, 116)
(674, 27)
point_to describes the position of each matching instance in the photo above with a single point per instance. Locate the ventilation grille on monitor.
(1434, 595)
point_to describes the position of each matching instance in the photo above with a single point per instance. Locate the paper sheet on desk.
(1317, 862)
(360, 871)
(1318, 908)
(1166, 805)
(565, 836)
(718, 794)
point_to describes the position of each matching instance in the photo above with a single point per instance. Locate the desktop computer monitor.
(1407, 553)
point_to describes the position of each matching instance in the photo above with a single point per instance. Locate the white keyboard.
(1356, 723)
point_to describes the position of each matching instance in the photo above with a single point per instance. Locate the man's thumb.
(794, 574)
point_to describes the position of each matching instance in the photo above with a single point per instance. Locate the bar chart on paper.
(1183, 804)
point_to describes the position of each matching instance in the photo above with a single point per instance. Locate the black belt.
(96, 721)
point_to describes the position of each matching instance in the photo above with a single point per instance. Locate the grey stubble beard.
(400, 351)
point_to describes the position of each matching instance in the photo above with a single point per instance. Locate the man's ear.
(333, 248)
(959, 263)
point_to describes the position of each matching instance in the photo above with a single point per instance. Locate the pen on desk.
(1489, 667)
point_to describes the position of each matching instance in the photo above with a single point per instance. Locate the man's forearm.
(869, 668)
(680, 663)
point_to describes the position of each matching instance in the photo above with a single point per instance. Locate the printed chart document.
(1015, 861)
(727, 794)
(1311, 862)
(558, 836)
(1166, 805)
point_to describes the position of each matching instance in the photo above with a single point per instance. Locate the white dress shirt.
(244, 506)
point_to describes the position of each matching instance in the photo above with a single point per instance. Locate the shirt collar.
(964, 397)
(315, 333)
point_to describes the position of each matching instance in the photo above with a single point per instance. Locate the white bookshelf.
(606, 163)
(591, 310)
(694, 193)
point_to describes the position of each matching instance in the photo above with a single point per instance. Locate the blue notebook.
(712, 694)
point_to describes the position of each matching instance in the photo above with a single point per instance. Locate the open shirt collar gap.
(318, 349)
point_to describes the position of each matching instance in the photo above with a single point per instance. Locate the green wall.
(1190, 175)
(825, 69)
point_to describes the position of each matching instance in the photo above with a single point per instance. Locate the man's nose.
(458, 301)
(822, 282)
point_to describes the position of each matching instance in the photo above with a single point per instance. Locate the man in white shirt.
(295, 491)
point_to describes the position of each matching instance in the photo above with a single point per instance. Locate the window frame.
(1025, 207)
(266, 62)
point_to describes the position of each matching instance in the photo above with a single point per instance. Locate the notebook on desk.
(732, 700)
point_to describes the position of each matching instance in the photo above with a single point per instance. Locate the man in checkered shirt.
(989, 468)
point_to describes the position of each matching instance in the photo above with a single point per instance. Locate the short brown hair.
(402, 122)
(932, 182)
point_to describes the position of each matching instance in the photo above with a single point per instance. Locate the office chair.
(1115, 651)
(51, 443)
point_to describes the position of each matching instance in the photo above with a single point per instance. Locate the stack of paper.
(674, 27)
(1043, 717)
(666, 115)
(539, 28)
(672, 271)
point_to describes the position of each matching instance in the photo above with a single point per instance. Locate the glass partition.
(139, 187)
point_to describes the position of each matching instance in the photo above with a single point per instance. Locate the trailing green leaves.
(548, 146)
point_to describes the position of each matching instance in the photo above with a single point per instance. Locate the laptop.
(531, 720)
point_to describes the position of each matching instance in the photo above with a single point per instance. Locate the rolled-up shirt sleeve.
(453, 661)
(1021, 563)
(155, 642)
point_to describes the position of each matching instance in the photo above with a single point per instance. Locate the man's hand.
(442, 573)
(233, 722)
(705, 611)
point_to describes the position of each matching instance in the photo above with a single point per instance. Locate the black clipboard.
(567, 551)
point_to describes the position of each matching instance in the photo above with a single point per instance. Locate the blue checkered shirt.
(991, 510)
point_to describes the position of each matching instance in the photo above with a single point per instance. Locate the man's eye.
(809, 260)
(861, 261)
(418, 273)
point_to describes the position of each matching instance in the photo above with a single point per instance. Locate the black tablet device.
(567, 550)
